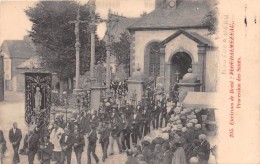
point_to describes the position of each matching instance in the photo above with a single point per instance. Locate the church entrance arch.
(180, 63)
(152, 59)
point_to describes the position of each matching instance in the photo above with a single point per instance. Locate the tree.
(121, 50)
(54, 36)
(210, 18)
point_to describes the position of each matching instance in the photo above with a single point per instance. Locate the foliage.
(121, 50)
(54, 36)
(211, 19)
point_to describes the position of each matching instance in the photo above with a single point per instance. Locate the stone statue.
(37, 99)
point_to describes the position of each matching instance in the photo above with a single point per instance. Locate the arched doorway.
(152, 59)
(180, 63)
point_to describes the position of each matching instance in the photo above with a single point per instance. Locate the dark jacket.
(46, 151)
(32, 142)
(15, 137)
(84, 124)
(104, 135)
(69, 142)
(79, 139)
(92, 137)
(2, 141)
(205, 148)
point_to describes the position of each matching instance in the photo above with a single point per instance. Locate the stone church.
(173, 43)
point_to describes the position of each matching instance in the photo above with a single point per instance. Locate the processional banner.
(37, 98)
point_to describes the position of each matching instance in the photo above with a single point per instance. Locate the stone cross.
(92, 9)
(77, 46)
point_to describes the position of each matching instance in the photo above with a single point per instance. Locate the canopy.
(200, 100)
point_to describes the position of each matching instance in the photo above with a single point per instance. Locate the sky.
(14, 23)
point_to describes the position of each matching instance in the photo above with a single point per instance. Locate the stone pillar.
(202, 64)
(93, 29)
(77, 45)
(108, 70)
(1, 77)
(167, 79)
(96, 96)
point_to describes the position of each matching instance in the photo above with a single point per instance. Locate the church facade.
(173, 39)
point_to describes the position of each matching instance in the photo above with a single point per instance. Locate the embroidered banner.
(37, 98)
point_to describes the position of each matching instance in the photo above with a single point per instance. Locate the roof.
(17, 49)
(32, 63)
(192, 35)
(200, 100)
(186, 14)
(120, 26)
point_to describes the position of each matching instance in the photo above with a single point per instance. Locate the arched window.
(152, 59)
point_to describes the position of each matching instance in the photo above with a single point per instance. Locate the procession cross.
(77, 45)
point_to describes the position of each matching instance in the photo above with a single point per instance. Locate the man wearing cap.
(104, 138)
(15, 136)
(92, 139)
(67, 140)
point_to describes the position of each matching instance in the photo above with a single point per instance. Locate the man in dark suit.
(146, 118)
(78, 145)
(104, 139)
(32, 142)
(15, 136)
(204, 146)
(156, 114)
(67, 141)
(116, 125)
(134, 121)
(83, 123)
(126, 132)
(46, 148)
(163, 114)
(92, 139)
(94, 119)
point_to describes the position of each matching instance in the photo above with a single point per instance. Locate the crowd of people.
(156, 130)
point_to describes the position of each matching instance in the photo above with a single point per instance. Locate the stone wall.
(143, 38)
